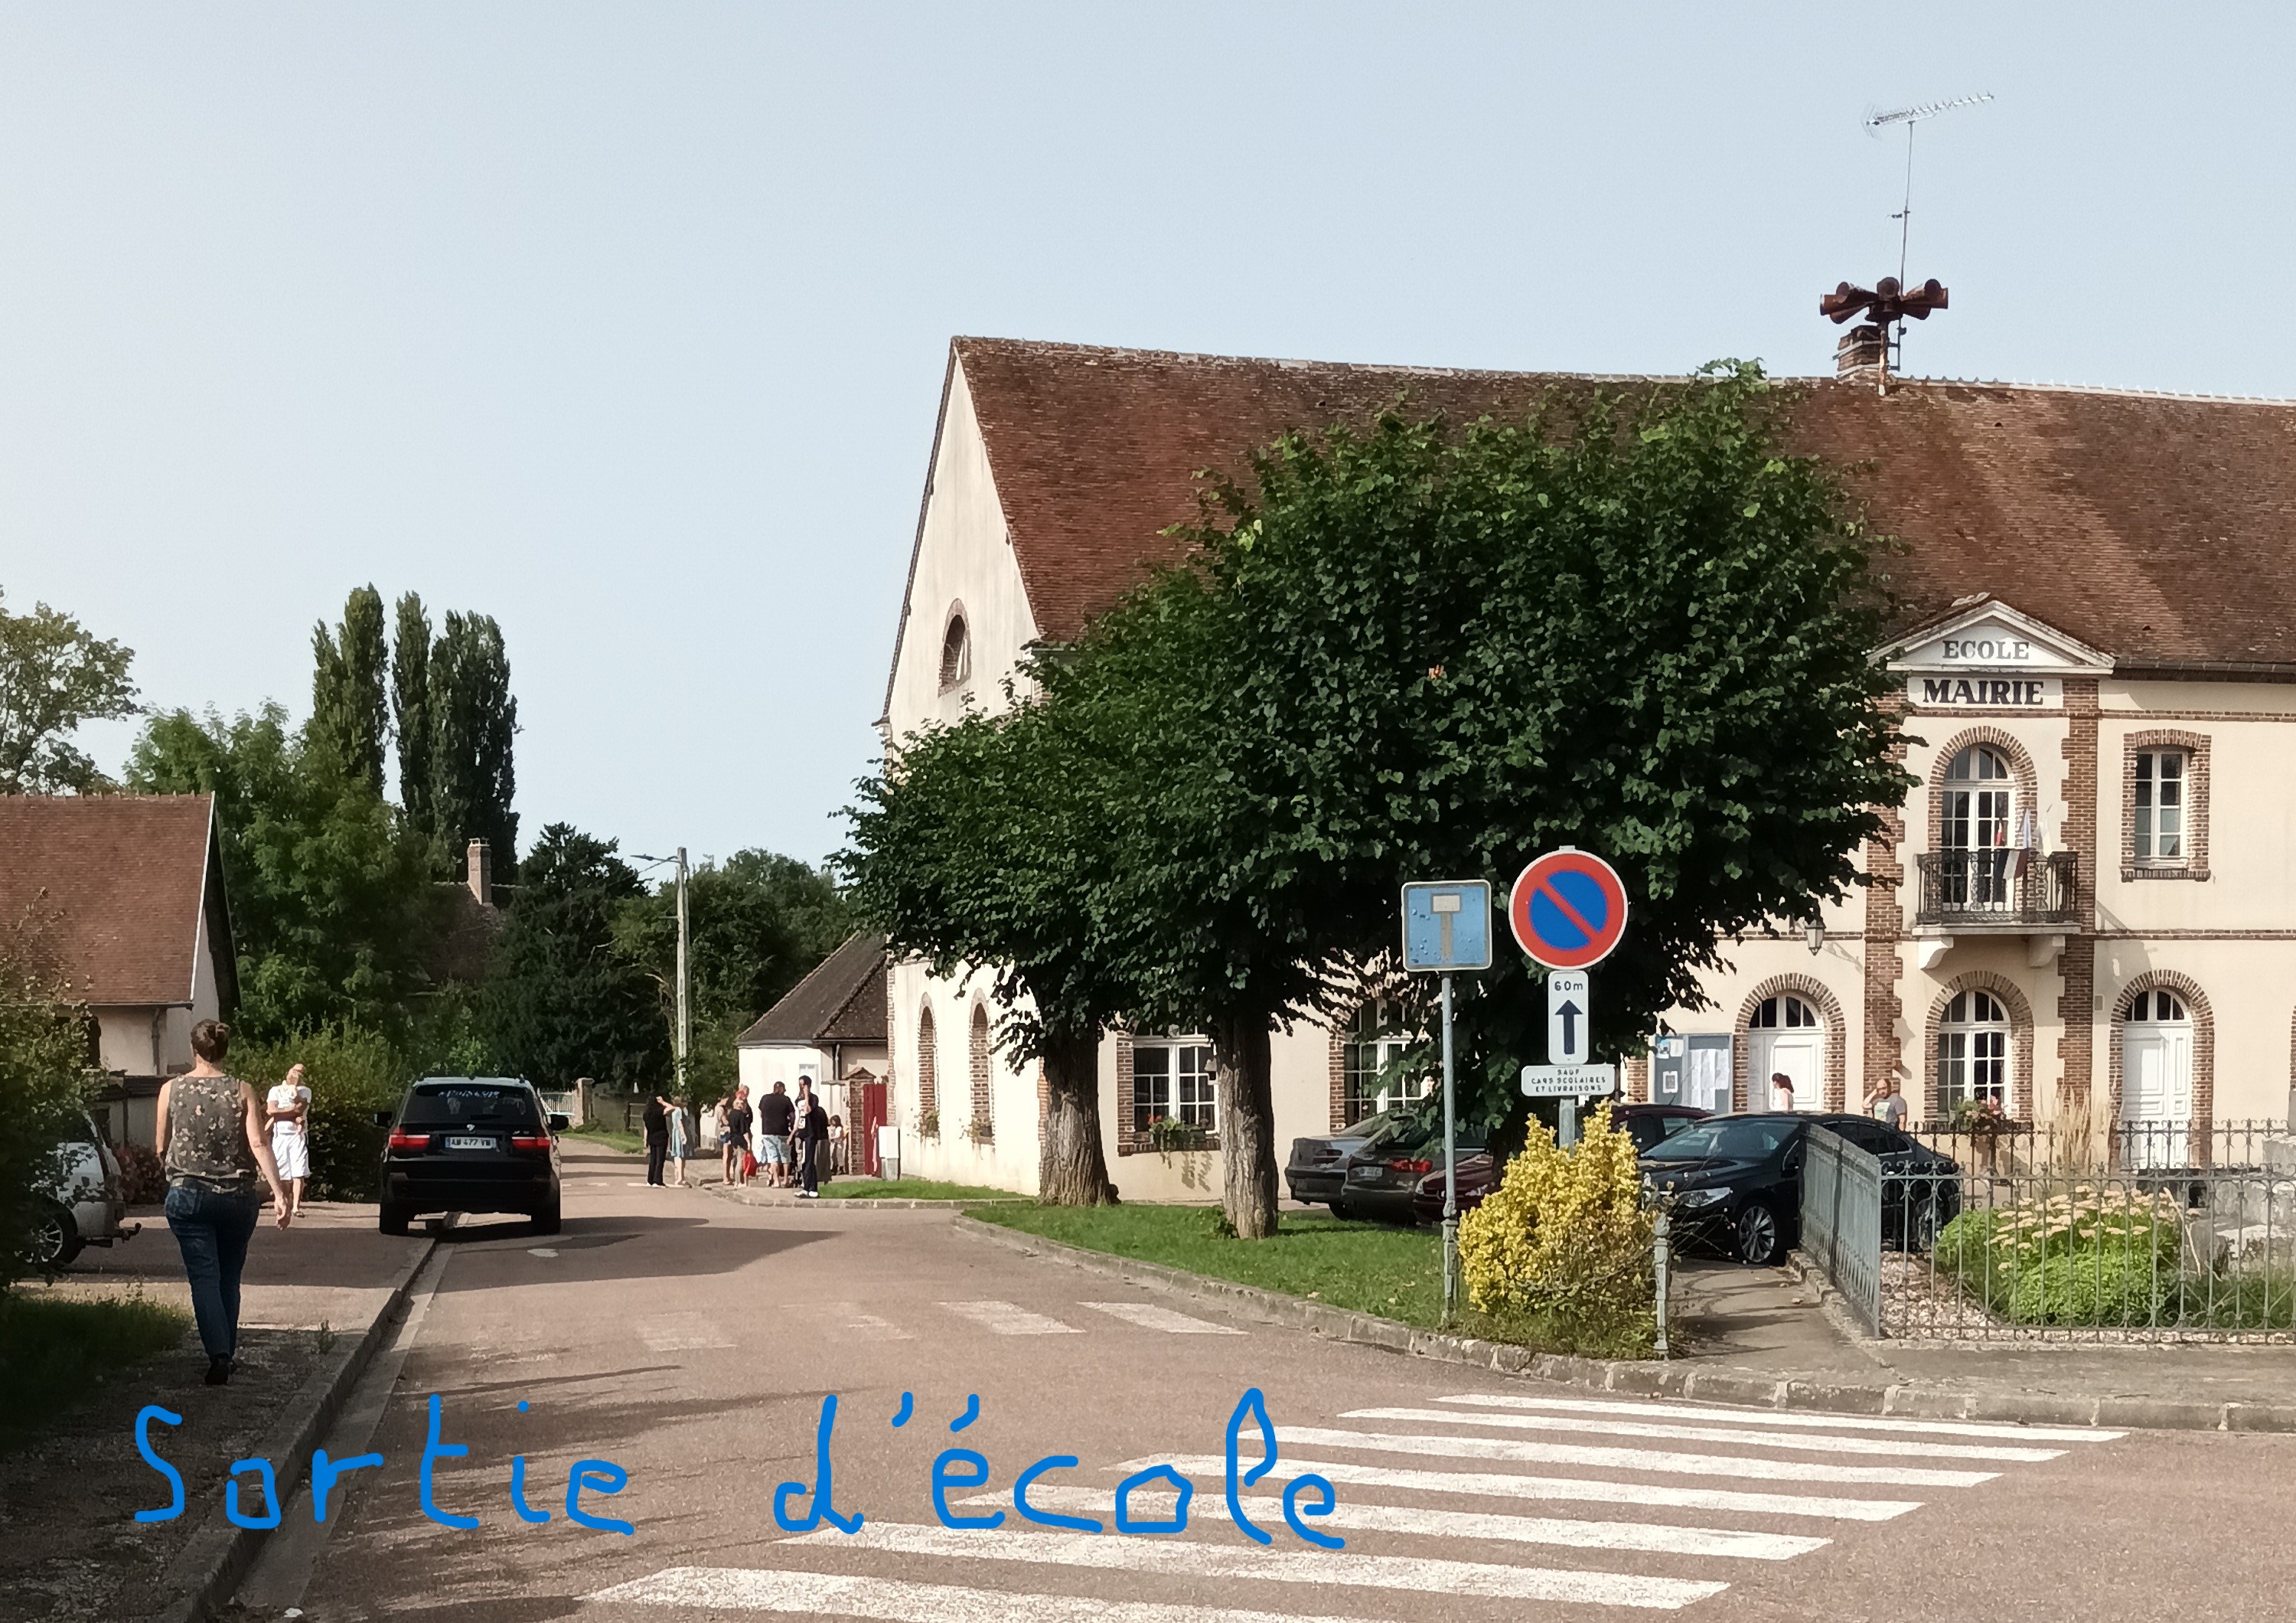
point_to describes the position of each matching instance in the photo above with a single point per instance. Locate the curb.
(1651, 1379)
(208, 1569)
(825, 1204)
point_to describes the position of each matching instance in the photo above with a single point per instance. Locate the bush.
(1565, 1239)
(143, 1178)
(2088, 1257)
(44, 1044)
(352, 1074)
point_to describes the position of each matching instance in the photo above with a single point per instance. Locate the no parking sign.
(1568, 909)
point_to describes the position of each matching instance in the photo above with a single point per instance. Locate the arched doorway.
(1785, 1037)
(2156, 1080)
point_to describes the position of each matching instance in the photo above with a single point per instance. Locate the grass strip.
(912, 1188)
(54, 1352)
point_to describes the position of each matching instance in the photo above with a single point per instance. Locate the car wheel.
(546, 1219)
(1757, 1230)
(392, 1218)
(56, 1240)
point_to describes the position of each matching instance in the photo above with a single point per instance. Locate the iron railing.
(2024, 1149)
(1969, 888)
(1841, 1220)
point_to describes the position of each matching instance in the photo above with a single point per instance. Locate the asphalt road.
(691, 1341)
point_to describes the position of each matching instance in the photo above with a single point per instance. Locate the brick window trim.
(1836, 1039)
(982, 1066)
(2204, 1048)
(1128, 1141)
(2020, 1010)
(2195, 746)
(2023, 778)
(927, 1061)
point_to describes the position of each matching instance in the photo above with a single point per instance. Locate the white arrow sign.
(1567, 1004)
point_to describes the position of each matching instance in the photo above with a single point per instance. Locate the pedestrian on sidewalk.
(834, 1157)
(212, 1140)
(288, 1110)
(740, 1163)
(777, 1116)
(811, 1132)
(656, 1118)
(680, 1146)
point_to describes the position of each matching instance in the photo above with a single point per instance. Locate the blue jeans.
(212, 1231)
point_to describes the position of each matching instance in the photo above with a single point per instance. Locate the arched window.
(1975, 817)
(1973, 1051)
(928, 1073)
(955, 652)
(1788, 1012)
(982, 1119)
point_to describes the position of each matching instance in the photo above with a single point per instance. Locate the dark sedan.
(1736, 1180)
(1318, 1166)
(1648, 1124)
(1382, 1178)
(470, 1144)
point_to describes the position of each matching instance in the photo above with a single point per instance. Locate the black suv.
(470, 1144)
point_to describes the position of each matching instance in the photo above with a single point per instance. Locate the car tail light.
(1411, 1166)
(531, 1143)
(402, 1140)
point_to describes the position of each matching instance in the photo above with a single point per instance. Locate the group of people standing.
(786, 1139)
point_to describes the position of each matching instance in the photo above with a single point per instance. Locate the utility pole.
(684, 991)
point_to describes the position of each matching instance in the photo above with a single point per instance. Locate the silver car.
(82, 1200)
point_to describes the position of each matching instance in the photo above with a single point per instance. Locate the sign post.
(1569, 910)
(1448, 927)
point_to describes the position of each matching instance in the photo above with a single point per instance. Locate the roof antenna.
(1909, 117)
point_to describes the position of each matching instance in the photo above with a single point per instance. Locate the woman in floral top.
(213, 1143)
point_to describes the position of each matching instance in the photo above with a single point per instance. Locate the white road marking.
(883, 1330)
(1632, 1459)
(1321, 1568)
(1765, 1417)
(1451, 1524)
(1010, 1319)
(678, 1332)
(891, 1601)
(540, 1251)
(1506, 1485)
(1905, 1448)
(1147, 1315)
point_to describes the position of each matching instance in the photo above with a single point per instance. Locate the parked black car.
(1317, 1169)
(1647, 1125)
(1381, 1179)
(1736, 1180)
(470, 1144)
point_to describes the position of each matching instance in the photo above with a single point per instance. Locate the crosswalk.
(1500, 1504)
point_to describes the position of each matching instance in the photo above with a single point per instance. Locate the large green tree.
(561, 1000)
(1414, 650)
(410, 704)
(54, 674)
(350, 710)
(332, 907)
(473, 722)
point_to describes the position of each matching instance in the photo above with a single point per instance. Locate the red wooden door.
(869, 1115)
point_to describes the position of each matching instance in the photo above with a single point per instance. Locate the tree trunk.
(1241, 1060)
(1071, 1170)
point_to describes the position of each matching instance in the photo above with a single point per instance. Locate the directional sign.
(1567, 1006)
(1568, 1081)
(1446, 925)
(1568, 909)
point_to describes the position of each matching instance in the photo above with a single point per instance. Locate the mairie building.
(2084, 913)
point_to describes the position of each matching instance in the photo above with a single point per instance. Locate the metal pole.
(684, 999)
(1659, 1255)
(1450, 1169)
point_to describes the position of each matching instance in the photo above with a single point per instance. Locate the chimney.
(482, 873)
(1862, 353)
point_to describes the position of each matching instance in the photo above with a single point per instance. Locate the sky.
(627, 323)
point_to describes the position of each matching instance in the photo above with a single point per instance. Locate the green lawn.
(1363, 1267)
(53, 1352)
(612, 1138)
(912, 1188)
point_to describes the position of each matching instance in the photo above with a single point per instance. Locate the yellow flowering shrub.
(1565, 1237)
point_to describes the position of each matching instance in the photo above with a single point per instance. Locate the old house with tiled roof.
(2086, 914)
(829, 1029)
(121, 898)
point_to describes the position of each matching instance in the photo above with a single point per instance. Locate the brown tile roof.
(2162, 529)
(111, 887)
(842, 1001)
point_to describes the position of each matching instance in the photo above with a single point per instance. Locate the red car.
(1649, 1123)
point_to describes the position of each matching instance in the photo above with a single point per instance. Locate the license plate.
(470, 1143)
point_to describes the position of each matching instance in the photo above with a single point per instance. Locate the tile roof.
(2159, 528)
(842, 1001)
(112, 888)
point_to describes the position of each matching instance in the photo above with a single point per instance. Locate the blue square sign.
(1446, 925)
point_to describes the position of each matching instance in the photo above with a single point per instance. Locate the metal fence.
(2090, 1254)
(2011, 1148)
(1841, 1220)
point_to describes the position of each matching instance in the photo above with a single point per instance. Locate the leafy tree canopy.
(350, 715)
(54, 674)
(44, 1045)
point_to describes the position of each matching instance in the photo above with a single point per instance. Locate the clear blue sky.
(627, 323)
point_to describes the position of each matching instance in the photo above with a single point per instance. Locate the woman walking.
(679, 1147)
(212, 1141)
(737, 1137)
(288, 1107)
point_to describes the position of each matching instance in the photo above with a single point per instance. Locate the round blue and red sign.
(1568, 909)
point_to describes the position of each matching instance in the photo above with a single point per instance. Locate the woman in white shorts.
(288, 1107)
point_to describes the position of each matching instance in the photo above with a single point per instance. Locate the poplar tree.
(349, 712)
(473, 721)
(410, 694)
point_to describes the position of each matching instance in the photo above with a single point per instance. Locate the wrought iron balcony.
(1982, 889)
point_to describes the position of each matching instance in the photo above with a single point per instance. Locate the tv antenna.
(1909, 117)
